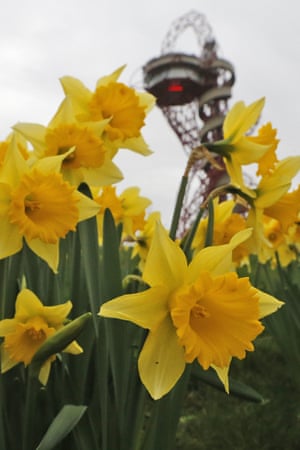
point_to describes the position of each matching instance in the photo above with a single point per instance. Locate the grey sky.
(40, 41)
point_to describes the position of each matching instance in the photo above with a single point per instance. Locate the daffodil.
(272, 198)
(38, 205)
(127, 208)
(237, 148)
(226, 224)
(198, 312)
(278, 243)
(143, 238)
(123, 108)
(20, 143)
(89, 161)
(31, 326)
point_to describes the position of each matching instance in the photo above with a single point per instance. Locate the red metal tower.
(192, 91)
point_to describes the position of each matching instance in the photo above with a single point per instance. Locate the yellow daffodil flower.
(272, 198)
(143, 238)
(266, 136)
(278, 242)
(90, 161)
(37, 204)
(32, 324)
(127, 208)
(201, 311)
(238, 149)
(122, 107)
(226, 225)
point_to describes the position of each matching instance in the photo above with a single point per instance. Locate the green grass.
(213, 420)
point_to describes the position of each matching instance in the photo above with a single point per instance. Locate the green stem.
(30, 412)
(178, 207)
(187, 242)
(210, 225)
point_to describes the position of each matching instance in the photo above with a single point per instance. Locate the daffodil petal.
(64, 114)
(55, 315)
(6, 362)
(27, 305)
(86, 207)
(113, 77)
(78, 91)
(240, 118)
(248, 152)
(11, 241)
(267, 304)
(7, 326)
(74, 348)
(136, 144)
(161, 361)
(235, 173)
(146, 309)
(34, 133)
(222, 373)
(44, 372)
(47, 252)
(105, 175)
(216, 259)
(166, 263)
(52, 163)
(273, 187)
(14, 164)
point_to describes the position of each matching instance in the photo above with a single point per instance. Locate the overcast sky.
(40, 41)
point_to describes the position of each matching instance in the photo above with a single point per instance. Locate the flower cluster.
(41, 169)
(189, 298)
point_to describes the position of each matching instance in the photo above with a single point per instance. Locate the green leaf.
(237, 388)
(62, 425)
(112, 277)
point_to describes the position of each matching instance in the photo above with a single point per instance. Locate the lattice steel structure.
(192, 91)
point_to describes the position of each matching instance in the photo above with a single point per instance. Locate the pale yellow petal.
(105, 175)
(7, 326)
(235, 173)
(273, 187)
(166, 263)
(55, 315)
(146, 309)
(222, 373)
(11, 241)
(240, 118)
(74, 348)
(161, 361)
(146, 100)
(216, 259)
(136, 144)
(6, 362)
(112, 78)
(45, 372)
(79, 93)
(34, 133)
(52, 163)
(64, 114)
(27, 305)
(86, 206)
(14, 165)
(267, 304)
(48, 252)
(248, 152)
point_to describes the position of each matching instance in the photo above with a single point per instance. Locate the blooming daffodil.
(89, 161)
(123, 107)
(31, 326)
(38, 205)
(201, 311)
